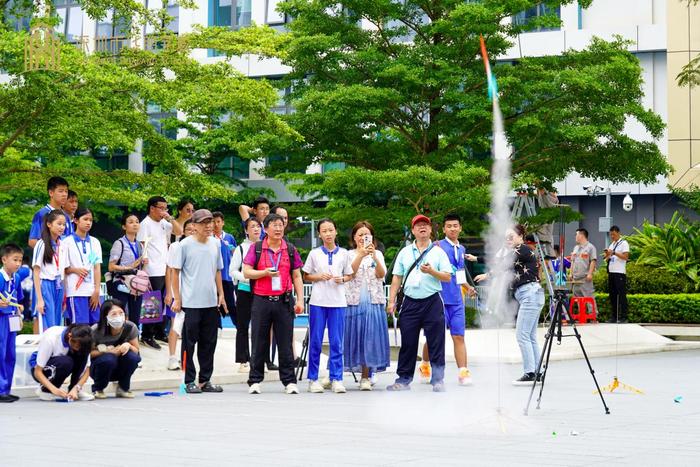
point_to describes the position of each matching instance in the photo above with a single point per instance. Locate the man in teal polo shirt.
(422, 306)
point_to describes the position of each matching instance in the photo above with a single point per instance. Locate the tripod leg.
(547, 345)
(588, 362)
(548, 349)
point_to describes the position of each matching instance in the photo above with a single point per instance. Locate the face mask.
(116, 322)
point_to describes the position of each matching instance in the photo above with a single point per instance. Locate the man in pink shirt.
(275, 267)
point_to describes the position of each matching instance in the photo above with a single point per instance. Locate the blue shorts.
(78, 311)
(454, 319)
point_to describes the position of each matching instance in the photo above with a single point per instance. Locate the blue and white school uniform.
(327, 308)
(9, 286)
(452, 291)
(38, 222)
(78, 252)
(51, 275)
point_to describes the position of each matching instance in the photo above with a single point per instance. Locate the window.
(111, 34)
(281, 107)
(235, 167)
(111, 160)
(17, 18)
(243, 13)
(272, 16)
(331, 166)
(537, 11)
(173, 11)
(156, 115)
(71, 24)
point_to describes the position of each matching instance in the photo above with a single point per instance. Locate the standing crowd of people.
(188, 273)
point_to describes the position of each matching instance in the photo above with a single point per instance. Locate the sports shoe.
(192, 388)
(85, 396)
(326, 382)
(124, 394)
(209, 387)
(8, 398)
(373, 379)
(100, 395)
(315, 387)
(425, 372)
(398, 387)
(365, 384)
(272, 367)
(338, 387)
(526, 380)
(173, 363)
(291, 388)
(439, 387)
(151, 342)
(244, 368)
(254, 389)
(465, 377)
(44, 396)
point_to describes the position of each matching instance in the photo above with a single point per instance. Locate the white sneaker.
(365, 384)
(291, 388)
(44, 396)
(124, 394)
(244, 368)
(173, 363)
(373, 379)
(465, 377)
(315, 387)
(85, 396)
(254, 389)
(338, 387)
(326, 382)
(100, 395)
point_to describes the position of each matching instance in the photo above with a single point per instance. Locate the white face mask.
(116, 321)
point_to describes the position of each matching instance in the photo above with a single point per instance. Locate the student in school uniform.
(63, 352)
(83, 274)
(71, 207)
(57, 188)
(228, 245)
(49, 263)
(328, 267)
(260, 210)
(10, 316)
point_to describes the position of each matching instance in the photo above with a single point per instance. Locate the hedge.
(643, 279)
(655, 308)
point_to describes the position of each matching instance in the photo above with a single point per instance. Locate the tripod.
(301, 362)
(555, 330)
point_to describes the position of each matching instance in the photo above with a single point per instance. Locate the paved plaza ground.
(459, 427)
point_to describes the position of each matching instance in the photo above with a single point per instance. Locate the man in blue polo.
(422, 306)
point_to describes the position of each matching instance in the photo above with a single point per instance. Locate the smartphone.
(367, 240)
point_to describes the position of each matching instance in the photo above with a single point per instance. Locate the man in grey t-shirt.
(198, 291)
(584, 259)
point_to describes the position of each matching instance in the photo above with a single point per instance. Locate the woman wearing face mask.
(115, 354)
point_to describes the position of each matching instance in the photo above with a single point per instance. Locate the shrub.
(642, 279)
(655, 308)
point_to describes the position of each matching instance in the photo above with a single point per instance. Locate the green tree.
(391, 88)
(690, 74)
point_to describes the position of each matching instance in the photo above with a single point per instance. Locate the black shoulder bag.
(400, 294)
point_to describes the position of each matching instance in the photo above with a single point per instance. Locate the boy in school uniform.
(260, 209)
(228, 245)
(71, 207)
(57, 188)
(10, 316)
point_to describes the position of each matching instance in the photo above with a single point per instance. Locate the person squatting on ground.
(115, 351)
(366, 337)
(328, 268)
(453, 299)
(419, 270)
(10, 316)
(275, 266)
(529, 295)
(197, 268)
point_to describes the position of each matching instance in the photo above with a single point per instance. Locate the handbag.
(138, 283)
(400, 295)
(152, 307)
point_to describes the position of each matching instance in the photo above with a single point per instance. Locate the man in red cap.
(419, 270)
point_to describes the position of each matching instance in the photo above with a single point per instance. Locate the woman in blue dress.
(366, 340)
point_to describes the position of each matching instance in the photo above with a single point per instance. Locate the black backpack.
(291, 250)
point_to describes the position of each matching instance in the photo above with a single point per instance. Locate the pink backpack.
(138, 283)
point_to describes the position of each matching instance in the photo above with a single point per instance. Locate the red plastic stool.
(581, 314)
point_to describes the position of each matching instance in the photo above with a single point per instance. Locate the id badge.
(276, 283)
(15, 323)
(461, 276)
(59, 283)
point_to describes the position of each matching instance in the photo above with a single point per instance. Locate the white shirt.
(170, 261)
(50, 271)
(234, 269)
(328, 293)
(157, 245)
(53, 345)
(617, 264)
(78, 255)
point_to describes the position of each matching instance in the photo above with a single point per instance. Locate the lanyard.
(413, 250)
(84, 243)
(272, 260)
(56, 246)
(330, 254)
(10, 287)
(134, 247)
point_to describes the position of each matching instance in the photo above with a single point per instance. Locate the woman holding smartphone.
(366, 343)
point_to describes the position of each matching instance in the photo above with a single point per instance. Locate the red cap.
(419, 218)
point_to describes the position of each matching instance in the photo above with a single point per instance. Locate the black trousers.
(58, 368)
(109, 367)
(155, 329)
(617, 284)
(244, 302)
(276, 315)
(202, 325)
(230, 297)
(132, 304)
